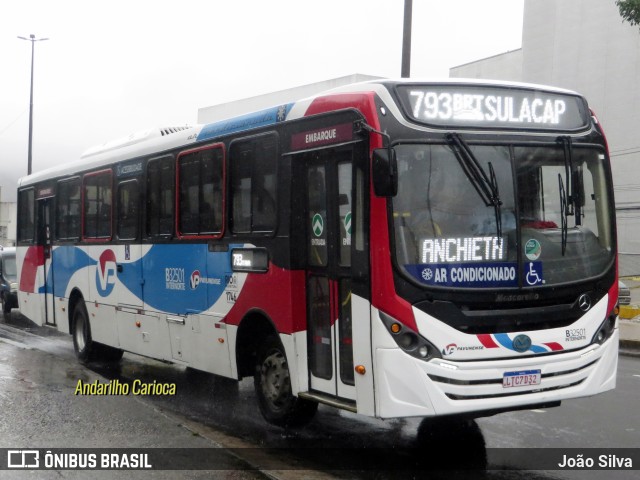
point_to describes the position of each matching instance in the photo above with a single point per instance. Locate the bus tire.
(272, 383)
(86, 349)
(81, 331)
(6, 306)
(108, 354)
(439, 436)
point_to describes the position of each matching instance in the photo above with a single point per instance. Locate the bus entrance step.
(342, 403)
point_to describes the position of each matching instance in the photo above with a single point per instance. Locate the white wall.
(8, 222)
(584, 45)
(507, 66)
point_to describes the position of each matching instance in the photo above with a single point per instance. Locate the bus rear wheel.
(86, 349)
(272, 382)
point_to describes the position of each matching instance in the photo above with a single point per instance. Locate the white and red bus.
(392, 248)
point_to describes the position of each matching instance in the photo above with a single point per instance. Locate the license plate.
(524, 378)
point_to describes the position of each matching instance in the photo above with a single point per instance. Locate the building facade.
(7, 223)
(584, 45)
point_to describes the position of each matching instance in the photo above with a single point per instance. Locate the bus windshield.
(547, 225)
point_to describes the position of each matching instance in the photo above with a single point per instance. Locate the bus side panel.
(143, 334)
(30, 262)
(362, 354)
(279, 293)
(280, 296)
(298, 361)
(102, 318)
(99, 295)
(70, 271)
(210, 345)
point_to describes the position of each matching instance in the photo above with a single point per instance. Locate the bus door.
(128, 252)
(134, 332)
(329, 214)
(45, 243)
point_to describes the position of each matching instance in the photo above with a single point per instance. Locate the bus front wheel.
(272, 382)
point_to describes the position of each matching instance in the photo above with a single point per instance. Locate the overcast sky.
(115, 67)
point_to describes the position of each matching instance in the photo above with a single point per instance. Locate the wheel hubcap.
(80, 332)
(275, 379)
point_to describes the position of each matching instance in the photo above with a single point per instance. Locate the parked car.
(624, 294)
(8, 279)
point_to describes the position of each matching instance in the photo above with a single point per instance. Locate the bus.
(394, 248)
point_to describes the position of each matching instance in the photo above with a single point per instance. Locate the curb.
(629, 311)
(629, 337)
(629, 348)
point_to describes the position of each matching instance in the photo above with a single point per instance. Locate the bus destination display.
(493, 107)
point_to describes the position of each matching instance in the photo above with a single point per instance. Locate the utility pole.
(32, 38)
(406, 39)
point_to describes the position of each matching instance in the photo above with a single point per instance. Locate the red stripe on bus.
(285, 304)
(32, 260)
(487, 340)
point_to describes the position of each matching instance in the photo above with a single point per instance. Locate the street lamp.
(406, 39)
(32, 38)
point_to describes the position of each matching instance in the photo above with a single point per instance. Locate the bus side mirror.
(385, 172)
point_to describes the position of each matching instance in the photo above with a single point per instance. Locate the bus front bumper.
(408, 387)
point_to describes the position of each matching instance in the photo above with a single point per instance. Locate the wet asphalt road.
(38, 374)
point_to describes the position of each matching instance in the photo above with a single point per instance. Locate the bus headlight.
(408, 340)
(606, 329)
(14, 287)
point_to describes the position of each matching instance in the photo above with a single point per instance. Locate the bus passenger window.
(26, 215)
(263, 205)
(97, 205)
(200, 192)
(160, 197)
(253, 185)
(211, 201)
(128, 199)
(68, 209)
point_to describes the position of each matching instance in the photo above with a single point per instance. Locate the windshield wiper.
(570, 198)
(571, 180)
(568, 171)
(497, 203)
(485, 185)
(563, 213)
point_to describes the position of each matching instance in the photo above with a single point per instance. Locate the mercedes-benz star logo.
(584, 302)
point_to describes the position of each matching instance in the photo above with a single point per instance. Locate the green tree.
(629, 10)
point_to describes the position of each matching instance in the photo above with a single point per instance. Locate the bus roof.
(157, 140)
(144, 142)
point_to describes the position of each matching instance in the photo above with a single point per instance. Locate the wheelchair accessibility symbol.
(534, 274)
